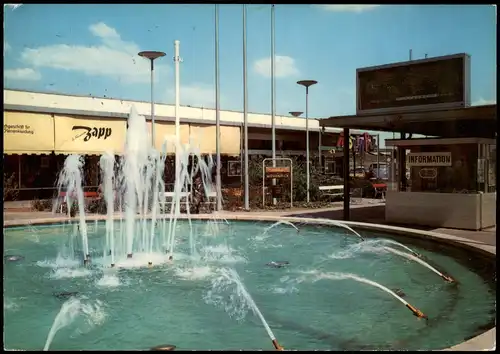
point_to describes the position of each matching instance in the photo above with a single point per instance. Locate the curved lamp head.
(307, 83)
(296, 113)
(149, 54)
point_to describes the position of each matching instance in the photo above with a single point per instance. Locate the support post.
(345, 161)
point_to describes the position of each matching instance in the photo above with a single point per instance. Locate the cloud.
(284, 67)
(6, 47)
(196, 95)
(482, 102)
(113, 57)
(347, 8)
(25, 74)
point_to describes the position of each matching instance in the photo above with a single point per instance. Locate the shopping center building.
(40, 129)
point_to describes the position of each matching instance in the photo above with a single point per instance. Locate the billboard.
(433, 83)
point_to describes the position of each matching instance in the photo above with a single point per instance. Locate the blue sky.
(91, 50)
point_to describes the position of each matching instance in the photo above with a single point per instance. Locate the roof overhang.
(437, 141)
(476, 121)
(115, 115)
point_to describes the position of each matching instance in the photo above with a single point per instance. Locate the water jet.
(164, 347)
(12, 258)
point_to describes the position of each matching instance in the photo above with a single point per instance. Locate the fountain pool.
(324, 298)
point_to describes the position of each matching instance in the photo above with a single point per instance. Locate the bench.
(211, 200)
(86, 196)
(170, 195)
(332, 191)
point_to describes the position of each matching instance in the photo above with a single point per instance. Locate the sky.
(91, 50)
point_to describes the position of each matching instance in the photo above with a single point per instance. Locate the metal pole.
(19, 172)
(152, 105)
(245, 107)
(217, 112)
(307, 142)
(393, 163)
(378, 155)
(177, 91)
(319, 148)
(177, 125)
(345, 171)
(273, 95)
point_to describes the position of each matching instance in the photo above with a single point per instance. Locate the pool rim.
(484, 341)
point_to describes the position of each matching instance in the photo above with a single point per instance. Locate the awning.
(230, 142)
(166, 131)
(204, 137)
(28, 133)
(78, 135)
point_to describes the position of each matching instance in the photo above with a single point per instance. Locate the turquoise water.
(182, 303)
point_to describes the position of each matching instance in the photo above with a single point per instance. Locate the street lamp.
(152, 55)
(296, 113)
(306, 84)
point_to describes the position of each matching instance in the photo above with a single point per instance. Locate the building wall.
(447, 210)
(114, 107)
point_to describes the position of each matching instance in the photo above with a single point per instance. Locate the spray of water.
(70, 310)
(107, 164)
(342, 276)
(70, 179)
(418, 260)
(135, 186)
(230, 276)
(392, 242)
(281, 222)
(347, 227)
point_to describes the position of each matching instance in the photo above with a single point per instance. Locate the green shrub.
(10, 187)
(41, 205)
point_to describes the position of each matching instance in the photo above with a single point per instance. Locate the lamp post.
(306, 84)
(296, 113)
(152, 55)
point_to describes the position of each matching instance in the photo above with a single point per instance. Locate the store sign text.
(434, 159)
(17, 129)
(92, 132)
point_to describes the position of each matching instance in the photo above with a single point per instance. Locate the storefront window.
(444, 169)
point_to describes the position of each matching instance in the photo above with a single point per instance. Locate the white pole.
(177, 124)
(273, 94)
(245, 107)
(217, 112)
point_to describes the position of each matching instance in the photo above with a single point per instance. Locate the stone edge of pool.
(484, 341)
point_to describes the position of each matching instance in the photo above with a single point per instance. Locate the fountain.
(137, 188)
(152, 298)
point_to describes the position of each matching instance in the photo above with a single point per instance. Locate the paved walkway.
(369, 211)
